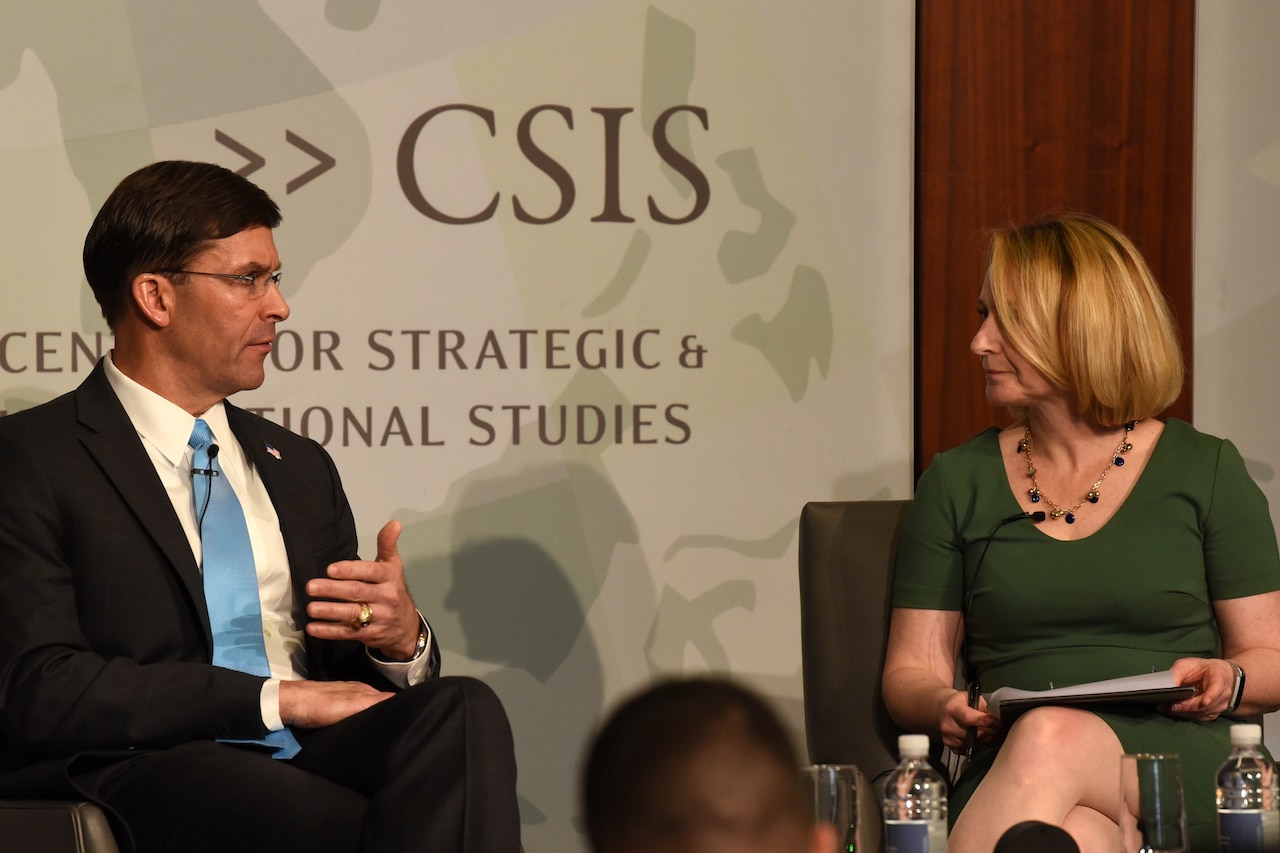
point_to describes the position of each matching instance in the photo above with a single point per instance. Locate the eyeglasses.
(254, 284)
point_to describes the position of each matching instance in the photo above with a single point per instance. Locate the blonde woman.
(1156, 551)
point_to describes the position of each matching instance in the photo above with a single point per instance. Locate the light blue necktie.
(230, 579)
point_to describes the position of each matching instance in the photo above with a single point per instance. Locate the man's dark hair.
(636, 786)
(160, 217)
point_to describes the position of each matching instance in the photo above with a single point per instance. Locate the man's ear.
(153, 296)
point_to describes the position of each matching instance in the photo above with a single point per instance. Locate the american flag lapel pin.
(272, 450)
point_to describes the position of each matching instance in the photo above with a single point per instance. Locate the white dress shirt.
(165, 429)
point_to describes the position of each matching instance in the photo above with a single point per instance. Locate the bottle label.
(915, 836)
(1251, 831)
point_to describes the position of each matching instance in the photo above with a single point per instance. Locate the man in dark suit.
(310, 719)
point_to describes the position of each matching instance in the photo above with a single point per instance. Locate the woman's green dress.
(1131, 598)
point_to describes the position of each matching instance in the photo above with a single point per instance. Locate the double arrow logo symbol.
(256, 161)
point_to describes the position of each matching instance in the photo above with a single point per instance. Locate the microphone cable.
(973, 688)
(208, 472)
(1037, 516)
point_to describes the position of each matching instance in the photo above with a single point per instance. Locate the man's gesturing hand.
(374, 589)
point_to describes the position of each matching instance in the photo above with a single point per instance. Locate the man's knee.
(458, 707)
(461, 694)
(485, 717)
(478, 697)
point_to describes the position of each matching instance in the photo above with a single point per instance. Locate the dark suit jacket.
(105, 646)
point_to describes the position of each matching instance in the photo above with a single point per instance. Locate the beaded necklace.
(1117, 459)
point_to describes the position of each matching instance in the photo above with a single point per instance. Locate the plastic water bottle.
(1248, 797)
(915, 802)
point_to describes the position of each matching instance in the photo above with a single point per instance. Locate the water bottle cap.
(913, 746)
(1246, 734)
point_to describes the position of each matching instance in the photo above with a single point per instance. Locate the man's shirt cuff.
(409, 672)
(269, 700)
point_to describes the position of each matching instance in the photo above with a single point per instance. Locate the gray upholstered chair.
(847, 551)
(54, 826)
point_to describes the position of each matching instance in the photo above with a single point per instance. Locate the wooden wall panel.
(1028, 106)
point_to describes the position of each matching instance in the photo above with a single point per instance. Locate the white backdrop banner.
(592, 296)
(1237, 193)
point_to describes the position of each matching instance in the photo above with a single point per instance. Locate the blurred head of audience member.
(697, 765)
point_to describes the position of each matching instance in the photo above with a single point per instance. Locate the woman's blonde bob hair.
(1073, 295)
